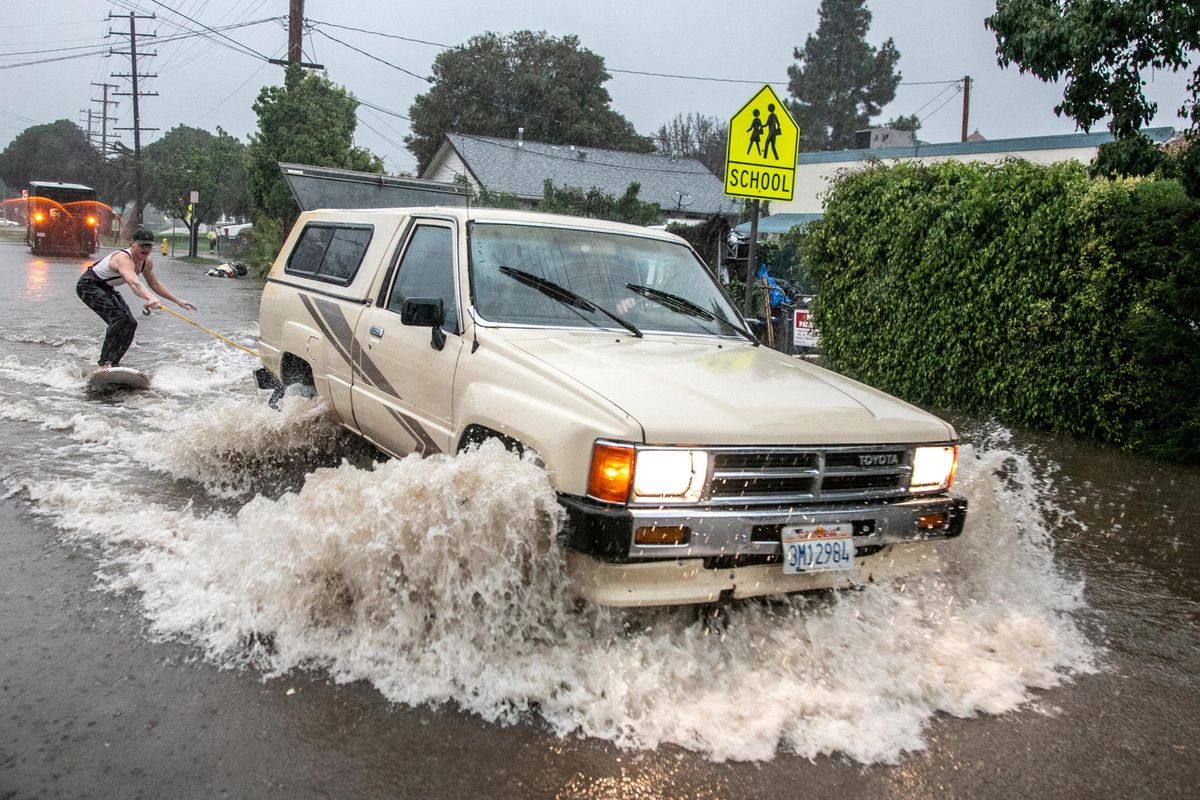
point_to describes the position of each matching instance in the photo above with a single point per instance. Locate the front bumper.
(606, 531)
(738, 552)
(691, 580)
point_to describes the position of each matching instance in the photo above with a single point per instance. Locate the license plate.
(818, 548)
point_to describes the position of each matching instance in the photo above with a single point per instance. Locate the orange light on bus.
(91, 221)
(39, 216)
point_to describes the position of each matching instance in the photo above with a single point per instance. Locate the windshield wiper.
(685, 306)
(566, 296)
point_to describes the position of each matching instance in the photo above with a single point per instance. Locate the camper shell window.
(329, 253)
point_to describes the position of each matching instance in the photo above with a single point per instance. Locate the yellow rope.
(208, 330)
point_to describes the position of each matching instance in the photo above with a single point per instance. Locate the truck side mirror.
(422, 311)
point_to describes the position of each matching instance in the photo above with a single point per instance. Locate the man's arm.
(161, 290)
(123, 264)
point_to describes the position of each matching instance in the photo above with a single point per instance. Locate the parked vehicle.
(693, 463)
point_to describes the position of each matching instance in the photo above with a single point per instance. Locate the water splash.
(440, 581)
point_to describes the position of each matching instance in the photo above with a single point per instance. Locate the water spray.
(146, 312)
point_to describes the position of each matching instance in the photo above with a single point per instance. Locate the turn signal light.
(929, 522)
(38, 216)
(611, 472)
(662, 534)
(91, 221)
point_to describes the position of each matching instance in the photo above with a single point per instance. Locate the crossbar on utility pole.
(295, 38)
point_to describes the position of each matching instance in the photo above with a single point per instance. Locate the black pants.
(105, 301)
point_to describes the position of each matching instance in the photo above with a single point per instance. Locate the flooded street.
(203, 597)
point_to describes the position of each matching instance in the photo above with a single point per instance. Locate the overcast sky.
(213, 81)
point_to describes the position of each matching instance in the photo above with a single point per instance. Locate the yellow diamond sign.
(763, 142)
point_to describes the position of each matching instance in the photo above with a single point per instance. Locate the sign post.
(193, 198)
(760, 163)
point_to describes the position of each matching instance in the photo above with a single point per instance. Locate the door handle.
(375, 330)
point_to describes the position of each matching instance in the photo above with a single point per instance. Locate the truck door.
(403, 386)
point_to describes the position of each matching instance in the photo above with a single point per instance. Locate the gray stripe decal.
(424, 441)
(336, 327)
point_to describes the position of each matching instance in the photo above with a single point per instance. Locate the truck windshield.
(627, 275)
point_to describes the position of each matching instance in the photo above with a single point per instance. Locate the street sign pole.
(760, 164)
(194, 198)
(752, 253)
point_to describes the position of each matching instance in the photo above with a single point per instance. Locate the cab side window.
(427, 270)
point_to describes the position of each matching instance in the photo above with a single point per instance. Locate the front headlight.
(933, 468)
(670, 475)
(623, 472)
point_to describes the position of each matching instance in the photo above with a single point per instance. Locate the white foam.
(439, 581)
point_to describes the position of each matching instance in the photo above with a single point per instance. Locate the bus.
(63, 219)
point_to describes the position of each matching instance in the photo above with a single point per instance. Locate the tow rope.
(206, 330)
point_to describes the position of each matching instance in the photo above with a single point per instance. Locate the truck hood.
(718, 391)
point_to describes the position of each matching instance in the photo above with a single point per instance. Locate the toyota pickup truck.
(693, 464)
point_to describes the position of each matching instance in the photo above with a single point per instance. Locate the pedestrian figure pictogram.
(773, 131)
(755, 130)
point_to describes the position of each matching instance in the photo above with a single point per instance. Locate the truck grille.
(803, 475)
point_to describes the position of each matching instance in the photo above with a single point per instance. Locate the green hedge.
(1025, 292)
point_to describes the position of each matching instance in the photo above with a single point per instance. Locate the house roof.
(777, 223)
(520, 168)
(951, 149)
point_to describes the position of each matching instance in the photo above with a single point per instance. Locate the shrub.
(1025, 292)
(266, 239)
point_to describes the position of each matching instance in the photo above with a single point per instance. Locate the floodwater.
(1052, 649)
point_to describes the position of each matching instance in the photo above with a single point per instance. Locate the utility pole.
(104, 104)
(296, 37)
(135, 94)
(91, 134)
(966, 104)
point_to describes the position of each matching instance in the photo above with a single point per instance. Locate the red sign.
(804, 332)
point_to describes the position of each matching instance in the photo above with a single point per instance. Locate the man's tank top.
(109, 275)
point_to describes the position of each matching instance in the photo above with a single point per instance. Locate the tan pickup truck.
(693, 463)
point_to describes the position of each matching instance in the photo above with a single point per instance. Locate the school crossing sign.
(763, 142)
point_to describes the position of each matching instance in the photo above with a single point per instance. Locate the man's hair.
(142, 235)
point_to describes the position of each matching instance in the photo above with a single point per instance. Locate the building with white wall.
(815, 171)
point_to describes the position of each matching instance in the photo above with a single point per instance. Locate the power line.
(166, 39)
(375, 57)
(607, 68)
(237, 45)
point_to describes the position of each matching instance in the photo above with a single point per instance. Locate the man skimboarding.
(97, 288)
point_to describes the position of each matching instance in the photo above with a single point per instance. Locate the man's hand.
(153, 305)
(187, 305)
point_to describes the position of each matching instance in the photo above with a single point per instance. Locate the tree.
(58, 151)
(190, 159)
(1130, 156)
(308, 120)
(839, 82)
(695, 136)
(598, 205)
(907, 122)
(1101, 48)
(494, 84)
(1136, 155)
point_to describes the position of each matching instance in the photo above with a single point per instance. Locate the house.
(815, 171)
(683, 188)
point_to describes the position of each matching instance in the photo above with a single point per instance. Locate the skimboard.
(118, 378)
